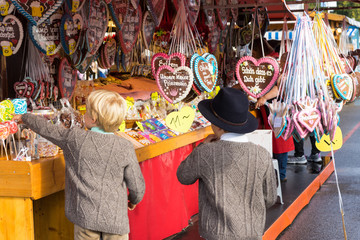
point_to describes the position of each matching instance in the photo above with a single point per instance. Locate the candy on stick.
(4, 133)
(6, 110)
(20, 105)
(13, 129)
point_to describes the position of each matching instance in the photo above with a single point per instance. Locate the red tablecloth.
(167, 205)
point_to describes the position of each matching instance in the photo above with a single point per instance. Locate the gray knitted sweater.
(98, 170)
(236, 184)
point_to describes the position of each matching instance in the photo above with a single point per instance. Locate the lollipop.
(13, 129)
(6, 110)
(20, 105)
(4, 133)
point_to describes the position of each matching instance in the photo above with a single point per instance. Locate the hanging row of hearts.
(314, 83)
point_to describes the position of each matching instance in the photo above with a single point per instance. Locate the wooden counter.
(32, 196)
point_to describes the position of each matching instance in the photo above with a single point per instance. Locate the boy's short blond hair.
(108, 108)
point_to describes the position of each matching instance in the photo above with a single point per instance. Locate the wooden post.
(4, 91)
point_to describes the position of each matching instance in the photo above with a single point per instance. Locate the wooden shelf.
(40, 178)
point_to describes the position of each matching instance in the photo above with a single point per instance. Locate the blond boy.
(100, 168)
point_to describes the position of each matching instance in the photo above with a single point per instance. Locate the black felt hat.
(229, 111)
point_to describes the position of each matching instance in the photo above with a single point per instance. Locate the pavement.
(321, 218)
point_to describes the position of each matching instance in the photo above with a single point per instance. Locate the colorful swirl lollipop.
(4, 130)
(13, 127)
(20, 105)
(6, 110)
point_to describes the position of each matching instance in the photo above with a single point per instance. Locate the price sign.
(182, 120)
(325, 143)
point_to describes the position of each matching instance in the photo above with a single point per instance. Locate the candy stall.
(163, 57)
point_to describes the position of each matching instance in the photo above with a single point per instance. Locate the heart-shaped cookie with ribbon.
(67, 79)
(156, 8)
(70, 32)
(11, 35)
(175, 60)
(349, 63)
(6, 7)
(37, 11)
(301, 130)
(148, 29)
(182, 120)
(309, 118)
(174, 84)
(206, 71)
(97, 25)
(257, 77)
(130, 28)
(20, 88)
(46, 36)
(109, 52)
(342, 85)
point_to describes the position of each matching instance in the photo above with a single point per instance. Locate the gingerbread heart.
(130, 28)
(67, 79)
(175, 60)
(257, 77)
(174, 84)
(11, 35)
(302, 131)
(309, 118)
(206, 72)
(148, 29)
(20, 88)
(37, 11)
(46, 36)
(349, 63)
(118, 11)
(156, 8)
(97, 25)
(29, 89)
(70, 32)
(109, 52)
(289, 128)
(343, 85)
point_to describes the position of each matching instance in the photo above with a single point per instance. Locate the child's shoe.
(315, 158)
(297, 160)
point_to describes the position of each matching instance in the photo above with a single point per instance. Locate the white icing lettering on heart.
(257, 77)
(174, 84)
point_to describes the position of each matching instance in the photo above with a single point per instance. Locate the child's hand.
(260, 102)
(131, 206)
(210, 138)
(17, 118)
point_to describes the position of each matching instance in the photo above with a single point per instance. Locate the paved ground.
(321, 219)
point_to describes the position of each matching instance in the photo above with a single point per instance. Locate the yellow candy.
(6, 110)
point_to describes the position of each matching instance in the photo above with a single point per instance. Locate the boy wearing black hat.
(236, 177)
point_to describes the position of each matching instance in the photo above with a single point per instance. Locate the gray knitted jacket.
(236, 184)
(98, 170)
